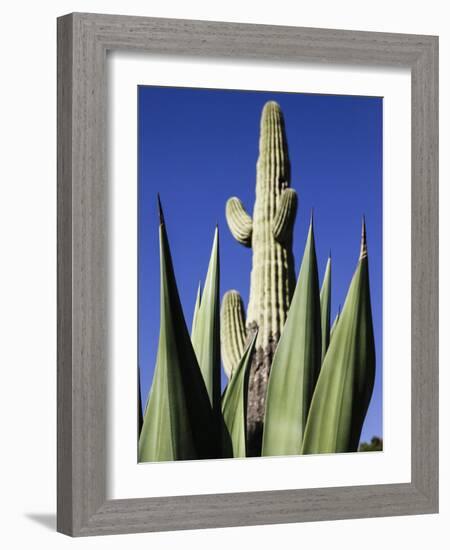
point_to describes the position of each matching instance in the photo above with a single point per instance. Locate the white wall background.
(28, 270)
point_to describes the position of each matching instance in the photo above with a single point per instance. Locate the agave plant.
(296, 363)
(325, 308)
(345, 384)
(179, 421)
(234, 404)
(296, 384)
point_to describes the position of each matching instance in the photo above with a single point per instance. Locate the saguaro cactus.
(272, 283)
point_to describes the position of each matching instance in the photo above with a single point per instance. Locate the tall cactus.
(272, 283)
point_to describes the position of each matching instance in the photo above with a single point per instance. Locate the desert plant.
(269, 233)
(206, 328)
(344, 387)
(140, 415)
(296, 363)
(325, 308)
(335, 322)
(376, 444)
(196, 308)
(232, 330)
(179, 422)
(332, 420)
(234, 405)
(296, 386)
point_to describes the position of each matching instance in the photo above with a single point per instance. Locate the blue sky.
(198, 147)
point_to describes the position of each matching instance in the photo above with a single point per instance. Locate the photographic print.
(260, 274)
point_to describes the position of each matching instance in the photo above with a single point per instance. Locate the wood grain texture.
(83, 318)
(64, 297)
(425, 273)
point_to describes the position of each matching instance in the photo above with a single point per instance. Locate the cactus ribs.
(269, 234)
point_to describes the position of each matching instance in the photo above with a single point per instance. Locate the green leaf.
(178, 421)
(140, 415)
(376, 444)
(196, 308)
(325, 307)
(234, 404)
(335, 322)
(296, 363)
(206, 333)
(345, 383)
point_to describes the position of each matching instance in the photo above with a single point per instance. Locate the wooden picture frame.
(83, 40)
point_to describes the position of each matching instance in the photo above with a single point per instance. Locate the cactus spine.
(272, 282)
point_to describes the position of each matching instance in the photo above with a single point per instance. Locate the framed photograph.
(247, 274)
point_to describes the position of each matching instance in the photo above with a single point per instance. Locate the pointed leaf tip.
(206, 330)
(363, 252)
(311, 224)
(160, 211)
(345, 384)
(178, 422)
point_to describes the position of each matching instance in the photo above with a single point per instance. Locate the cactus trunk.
(272, 282)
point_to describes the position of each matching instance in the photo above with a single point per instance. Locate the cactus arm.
(239, 222)
(232, 330)
(283, 222)
(272, 279)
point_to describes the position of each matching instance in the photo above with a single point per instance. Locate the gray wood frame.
(83, 40)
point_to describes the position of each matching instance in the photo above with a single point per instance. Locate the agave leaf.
(325, 306)
(335, 322)
(296, 363)
(196, 308)
(234, 403)
(178, 421)
(140, 415)
(206, 333)
(345, 383)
